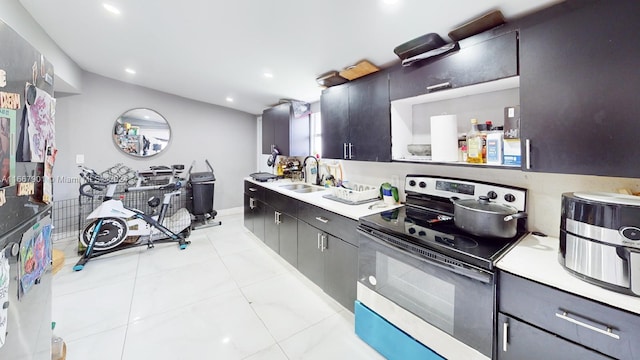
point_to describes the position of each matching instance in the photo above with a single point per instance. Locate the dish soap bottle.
(474, 144)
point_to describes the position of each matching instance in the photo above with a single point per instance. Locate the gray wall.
(199, 131)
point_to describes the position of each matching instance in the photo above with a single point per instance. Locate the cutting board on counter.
(360, 69)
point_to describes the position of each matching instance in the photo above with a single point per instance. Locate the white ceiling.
(209, 50)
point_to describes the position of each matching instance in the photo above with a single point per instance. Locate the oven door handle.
(464, 271)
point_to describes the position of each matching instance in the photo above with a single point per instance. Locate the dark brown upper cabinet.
(281, 129)
(491, 59)
(579, 85)
(356, 120)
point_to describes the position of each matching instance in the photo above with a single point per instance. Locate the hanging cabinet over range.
(491, 59)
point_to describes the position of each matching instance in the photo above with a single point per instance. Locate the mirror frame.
(133, 120)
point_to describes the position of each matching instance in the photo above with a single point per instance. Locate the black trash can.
(202, 186)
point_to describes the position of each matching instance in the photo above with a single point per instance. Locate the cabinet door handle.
(344, 150)
(277, 218)
(350, 150)
(608, 330)
(318, 245)
(253, 189)
(527, 153)
(440, 86)
(505, 336)
(323, 243)
(322, 220)
(252, 203)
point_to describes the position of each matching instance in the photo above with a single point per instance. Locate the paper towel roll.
(444, 138)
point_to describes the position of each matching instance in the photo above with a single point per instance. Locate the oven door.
(453, 303)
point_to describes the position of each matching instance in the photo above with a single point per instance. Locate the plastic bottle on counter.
(474, 144)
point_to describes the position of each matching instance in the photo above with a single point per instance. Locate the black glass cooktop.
(434, 231)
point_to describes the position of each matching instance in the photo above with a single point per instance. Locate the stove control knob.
(412, 183)
(422, 233)
(422, 184)
(412, 230)
(509, 198)
(492, 195)
(630, 233)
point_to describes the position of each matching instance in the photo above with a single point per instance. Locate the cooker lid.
(610, 198)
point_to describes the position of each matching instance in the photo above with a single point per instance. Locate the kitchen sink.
(302, 188)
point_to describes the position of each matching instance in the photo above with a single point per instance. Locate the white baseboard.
(231, 211)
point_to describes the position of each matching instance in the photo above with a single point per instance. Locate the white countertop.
(316, 198)
(536, 258)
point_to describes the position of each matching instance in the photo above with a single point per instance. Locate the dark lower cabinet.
(579, 85)
(520, 341)
(249, 215)
(329, 262)
(554, 324)
(325, 252)
(310, 256)
(281, 234)
(288, 236)
(271, 229)
(253, 211)
(341, 271)
(258, 220)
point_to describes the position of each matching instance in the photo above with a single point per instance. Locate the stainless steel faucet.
(304, 168)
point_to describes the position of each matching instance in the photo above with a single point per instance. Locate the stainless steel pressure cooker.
(600, 239)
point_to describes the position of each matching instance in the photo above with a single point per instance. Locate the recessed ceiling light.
(268, 75)
(130, 71)
(112, 9)
(229, 99)
(390, 2)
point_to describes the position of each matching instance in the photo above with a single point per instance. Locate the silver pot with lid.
(481, 217)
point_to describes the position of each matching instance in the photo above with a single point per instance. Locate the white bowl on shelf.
(419, 149)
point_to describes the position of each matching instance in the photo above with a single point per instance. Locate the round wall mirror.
(141, 132)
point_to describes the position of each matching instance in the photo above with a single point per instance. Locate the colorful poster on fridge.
(35, 255)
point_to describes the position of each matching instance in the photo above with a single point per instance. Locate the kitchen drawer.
(519, 341)
(280, 202)
(329, 222)
(253, 190)
(611, 331)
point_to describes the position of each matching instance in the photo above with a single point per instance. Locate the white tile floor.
(227, 296)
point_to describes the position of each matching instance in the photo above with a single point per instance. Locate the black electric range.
(426, 221)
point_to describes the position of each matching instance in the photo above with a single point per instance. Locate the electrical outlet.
(79, 159)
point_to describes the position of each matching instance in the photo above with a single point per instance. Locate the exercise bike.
(111, 223)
